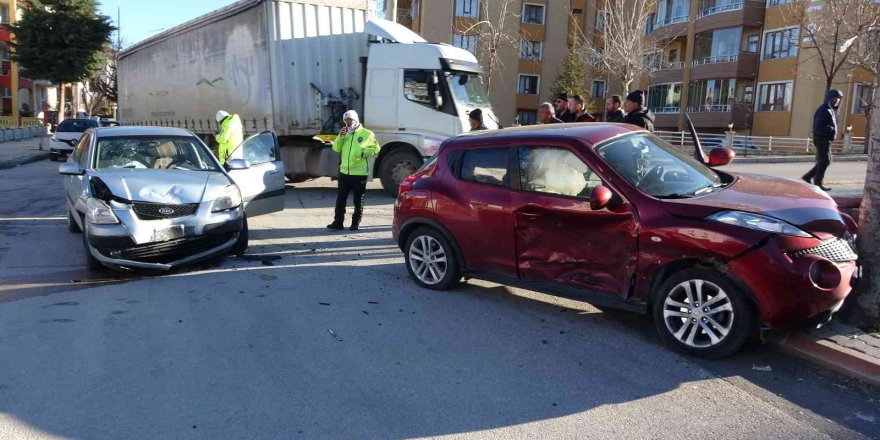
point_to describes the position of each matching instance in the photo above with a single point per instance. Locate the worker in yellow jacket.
(229, 136)
(355, 145)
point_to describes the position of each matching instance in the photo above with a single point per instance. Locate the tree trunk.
(864, 309)
(60, 113)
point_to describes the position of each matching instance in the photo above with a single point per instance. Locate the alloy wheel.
(427, 259)
(698, 313)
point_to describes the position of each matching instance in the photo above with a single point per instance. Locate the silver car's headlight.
(99, 212)
(230, 199)
(757, 222)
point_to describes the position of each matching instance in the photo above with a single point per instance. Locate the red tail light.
(407, 184)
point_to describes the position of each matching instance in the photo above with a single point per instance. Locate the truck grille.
(169, 251)
(159, 211)
(836, 250)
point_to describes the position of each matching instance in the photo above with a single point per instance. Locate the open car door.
(262, 181)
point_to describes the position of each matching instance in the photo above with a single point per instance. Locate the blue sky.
(143, 18)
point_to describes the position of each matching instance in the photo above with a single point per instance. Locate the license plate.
(166, 234)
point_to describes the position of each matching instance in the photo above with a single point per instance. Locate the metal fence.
(761, 145)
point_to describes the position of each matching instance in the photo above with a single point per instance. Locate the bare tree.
(496, 33)
(101, 89)
(865, 51)
(824, 28)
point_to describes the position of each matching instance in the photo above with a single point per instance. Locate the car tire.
(51, 158)
(92, 263)
(71, 223)
(241, 244)
(717, 325)
(397, 167)
(443, 270)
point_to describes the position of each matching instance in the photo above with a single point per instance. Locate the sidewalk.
(838, 347)
(800, 158)
(15, 153)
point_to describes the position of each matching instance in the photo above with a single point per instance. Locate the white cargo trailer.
(294, 67)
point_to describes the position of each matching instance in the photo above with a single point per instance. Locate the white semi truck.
(294, 67)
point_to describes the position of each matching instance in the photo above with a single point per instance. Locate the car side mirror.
(70, 169)
(600, 198)
(719, 157)
(237, 164)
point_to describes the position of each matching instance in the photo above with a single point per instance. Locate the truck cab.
(417, 94)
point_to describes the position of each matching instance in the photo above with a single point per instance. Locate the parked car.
(619, 217)
(156, 198)
(66, 137)
(110, 123)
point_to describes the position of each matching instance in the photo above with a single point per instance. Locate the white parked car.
(66, 136)
(156, 198)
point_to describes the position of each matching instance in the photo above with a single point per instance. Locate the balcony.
(742, 65)
(666, 72)
(749, 13)
(670, 28)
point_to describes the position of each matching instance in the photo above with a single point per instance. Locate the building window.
(780, 43)
(527, 117)
(772, 3)
(774, 97)
(718, 46)
(530, 50)
(664, 98)
(486, 166)
(597, 90)
(649, 27)
(861, 99)
(745, 92)
(671, 12)
(467, 8)
(4, 14)
(528, 85)
(598, 56)
(533, 14)
(712, 95)
(752, 42)
(466, 42)
(601, 19)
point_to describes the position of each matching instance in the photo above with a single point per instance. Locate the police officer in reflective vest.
(355, 145)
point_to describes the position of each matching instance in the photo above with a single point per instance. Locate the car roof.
(592, 132)
(140, 131)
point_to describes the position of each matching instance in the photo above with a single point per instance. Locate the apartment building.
(737, 62)
(26, 97)
(543, 30)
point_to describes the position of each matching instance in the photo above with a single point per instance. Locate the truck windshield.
(467, 87)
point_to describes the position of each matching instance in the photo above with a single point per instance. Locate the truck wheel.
(396, 168)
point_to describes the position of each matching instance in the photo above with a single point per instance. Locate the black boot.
(336, 226)
(354, 226)
(823, 188)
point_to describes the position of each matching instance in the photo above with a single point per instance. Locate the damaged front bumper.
(164, 244)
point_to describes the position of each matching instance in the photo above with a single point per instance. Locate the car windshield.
(467, 87)
(656, 168)
(76, 125)
(154, 152)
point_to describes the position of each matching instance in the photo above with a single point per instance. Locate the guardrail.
(762, 145)
(660, 23)
(664, 110)
(719, 9)
(710, 108)
(715, 60)
(668, 66)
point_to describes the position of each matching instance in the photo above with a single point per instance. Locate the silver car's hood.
(163, 186)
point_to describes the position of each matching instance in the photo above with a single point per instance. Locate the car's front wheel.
(71, 223)
(241, 244)
(431, 260)
(701, 312)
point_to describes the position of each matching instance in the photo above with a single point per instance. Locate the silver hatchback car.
(156, 198)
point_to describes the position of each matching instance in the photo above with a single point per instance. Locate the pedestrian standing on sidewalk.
(355, 145)
(612, 108)
(636, 112)
(824, 132)
(545, 114)
(475, 118)
(563, 113)
(578, 109)
(230, 134)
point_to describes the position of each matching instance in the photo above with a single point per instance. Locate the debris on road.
(335, 336)
(265, 260)
(324, 304)
(766, 368)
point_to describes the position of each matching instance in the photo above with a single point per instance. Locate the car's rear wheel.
(92, 263)
(71, 223)
(701, 312)
(241, 244)
(431, 260)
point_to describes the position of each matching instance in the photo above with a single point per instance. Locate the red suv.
(618, 217)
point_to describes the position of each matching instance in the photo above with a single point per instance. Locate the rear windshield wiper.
(675, 196)
(709, 188)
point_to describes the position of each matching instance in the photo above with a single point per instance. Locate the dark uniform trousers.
(347, 185)
(823, 159)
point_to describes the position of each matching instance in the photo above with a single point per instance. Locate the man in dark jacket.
(578, 107)
(563, 113)
(636, 113)
(824, 132)
(612, 107)
(475, 118)
(545, 114)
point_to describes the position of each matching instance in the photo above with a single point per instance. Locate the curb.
(831, 356)
(12, 163)
(796, 159)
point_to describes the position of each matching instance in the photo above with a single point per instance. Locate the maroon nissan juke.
(615, 216)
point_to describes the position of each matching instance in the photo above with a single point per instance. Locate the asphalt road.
(332, 340)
